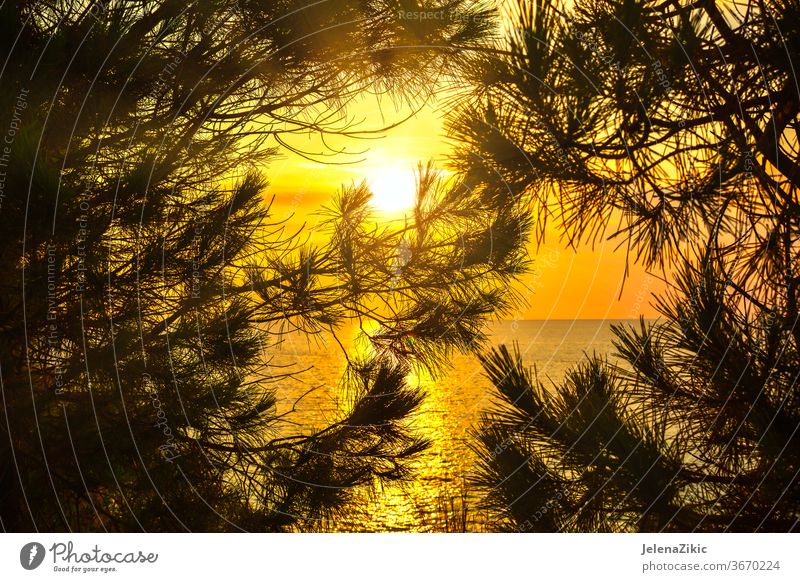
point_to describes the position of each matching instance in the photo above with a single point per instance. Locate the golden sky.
(565, 284)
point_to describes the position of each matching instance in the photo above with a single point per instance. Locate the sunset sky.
(565, 285)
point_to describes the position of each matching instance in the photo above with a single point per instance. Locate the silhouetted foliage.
(672, 128)
(145, 284)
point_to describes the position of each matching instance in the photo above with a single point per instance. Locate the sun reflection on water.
(433, 499)
(427, 501)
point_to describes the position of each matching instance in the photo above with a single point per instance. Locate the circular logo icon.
(31, 555)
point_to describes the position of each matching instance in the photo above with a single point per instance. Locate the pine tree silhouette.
(146, 283)
(672, 129)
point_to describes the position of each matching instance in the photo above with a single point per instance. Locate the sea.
(438, 497)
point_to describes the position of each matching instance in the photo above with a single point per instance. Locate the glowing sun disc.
(393, 189)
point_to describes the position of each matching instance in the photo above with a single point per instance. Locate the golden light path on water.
(415, 505)
(432, 499)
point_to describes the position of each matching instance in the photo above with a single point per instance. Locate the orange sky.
(565, 285)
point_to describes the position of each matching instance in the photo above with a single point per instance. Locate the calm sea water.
(452, 406)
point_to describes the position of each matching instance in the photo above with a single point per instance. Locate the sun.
(393, 189)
